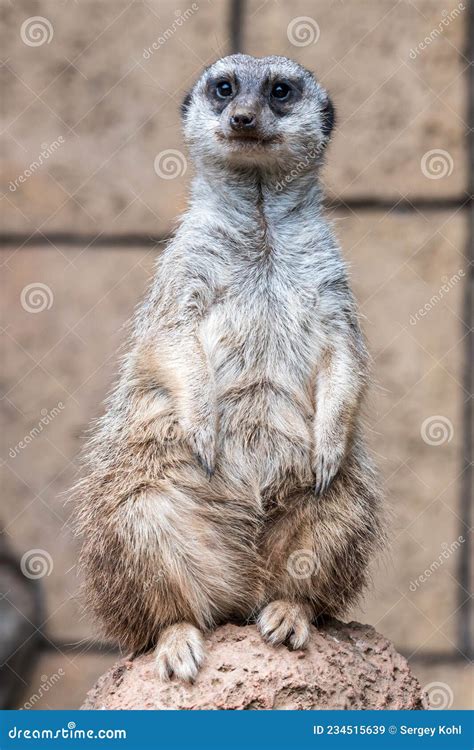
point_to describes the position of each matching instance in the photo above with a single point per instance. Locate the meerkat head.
(250, 111)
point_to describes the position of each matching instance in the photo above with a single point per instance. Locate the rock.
(346, 666)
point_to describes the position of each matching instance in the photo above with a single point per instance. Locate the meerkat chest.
(263, 325)
(261, 348)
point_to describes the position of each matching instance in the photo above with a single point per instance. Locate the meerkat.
(229, 479)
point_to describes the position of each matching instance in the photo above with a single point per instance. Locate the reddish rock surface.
(346, 666)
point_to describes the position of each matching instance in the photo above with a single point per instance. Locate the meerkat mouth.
(251, 140)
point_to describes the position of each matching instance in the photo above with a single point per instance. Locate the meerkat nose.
(243, 121)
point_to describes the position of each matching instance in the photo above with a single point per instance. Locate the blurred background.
(94, 174)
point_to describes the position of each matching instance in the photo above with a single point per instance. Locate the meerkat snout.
(267, 111)
(243, 121)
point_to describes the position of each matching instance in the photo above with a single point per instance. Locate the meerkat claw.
(208, 470)
(180, 653)
(325, 473)
(285, 622)
(202, 444)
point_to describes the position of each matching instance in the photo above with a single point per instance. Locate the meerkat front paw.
(180, 652)
(202, 441)
(285, 622)
(326, 466)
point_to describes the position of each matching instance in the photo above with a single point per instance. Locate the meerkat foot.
(180, 652)
(285, 622)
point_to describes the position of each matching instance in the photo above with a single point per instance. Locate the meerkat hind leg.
(179, 652)
(317, 551)
(285, 622)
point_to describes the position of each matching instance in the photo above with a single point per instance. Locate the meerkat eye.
(223, 89)
(281, 90)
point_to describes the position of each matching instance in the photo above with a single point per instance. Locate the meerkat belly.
(264, 383)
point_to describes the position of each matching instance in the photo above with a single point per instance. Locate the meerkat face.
(252, 111)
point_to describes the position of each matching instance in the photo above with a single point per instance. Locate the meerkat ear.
(328, 117)
(185, 103)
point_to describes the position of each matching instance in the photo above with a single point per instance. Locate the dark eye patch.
(221, 91)
(283, 93)
(280, 90)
